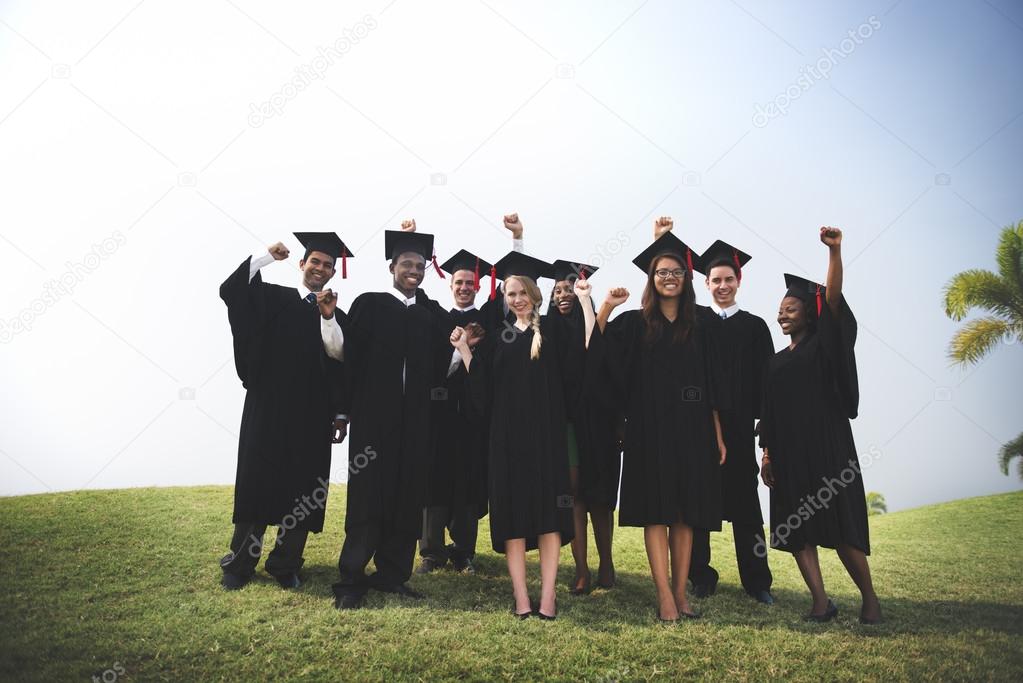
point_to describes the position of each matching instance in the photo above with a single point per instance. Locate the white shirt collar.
(470, 307)
(302, 291)
(401, 297)
(729, 312)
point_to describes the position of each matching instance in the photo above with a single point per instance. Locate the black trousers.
(391, 551)
(461, 523)
(247, 547)
(753, 570)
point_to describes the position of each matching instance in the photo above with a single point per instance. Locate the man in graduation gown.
(288, 353)
(745, 349)
(392, 343)
(457, 482)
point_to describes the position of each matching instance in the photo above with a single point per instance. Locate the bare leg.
(515, 553)
(810, 567)
(603, 533)
(582, 571)
(656, 540)
(856, 564)
(550, 552)
(680, 540)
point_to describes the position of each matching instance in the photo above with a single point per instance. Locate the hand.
(662, 225)
(616, 297)
(583, 289)
(722, 450)
(327, 302)
(766, 473)
(459, 338)
(339, 431)
(512, 222)
(475, 333)
(831, 237)
(409, 225)
(278, 251)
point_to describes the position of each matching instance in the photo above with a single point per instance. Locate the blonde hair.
(535, 298)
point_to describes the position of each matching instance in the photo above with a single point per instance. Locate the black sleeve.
(837, 339)
(246, 313)
(717, 376)
(763, 350)
(357, 326)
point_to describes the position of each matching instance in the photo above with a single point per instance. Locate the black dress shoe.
(521, 615)
(463, 565)
(704, 590)
(348, 602)
(289, 580)
(401, 589)
(545, 617)
(763, 597)
(689, 615)
(830, 613)
(232, 582)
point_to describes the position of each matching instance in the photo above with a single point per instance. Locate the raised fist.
(278, 251)
(662, 225)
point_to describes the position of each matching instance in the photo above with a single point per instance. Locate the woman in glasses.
(659, 361)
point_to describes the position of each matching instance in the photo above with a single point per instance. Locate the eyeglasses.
(663, 273)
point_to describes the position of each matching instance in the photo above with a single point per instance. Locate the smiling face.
(792, 316)
(723, 285)
(564, 296)
(463, 288)
(517, 297)
(408, 269)
(317, 269)
(670, 285)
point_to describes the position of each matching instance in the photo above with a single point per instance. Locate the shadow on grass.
(631, 602)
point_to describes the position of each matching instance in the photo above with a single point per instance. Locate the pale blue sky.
(132, 121)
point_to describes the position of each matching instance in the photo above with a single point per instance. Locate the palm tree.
(876, 504)
(1001, 295)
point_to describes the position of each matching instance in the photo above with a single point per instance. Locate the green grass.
(101, 579)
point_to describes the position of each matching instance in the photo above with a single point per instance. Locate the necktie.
(724, 316)
(311, 297)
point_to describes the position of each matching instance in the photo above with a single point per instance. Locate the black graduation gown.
(810, 394)
(670, 465)
(391, 353)
(293, 391)
(745, 348)
(596, 422)
(458, 471)
(527, 456)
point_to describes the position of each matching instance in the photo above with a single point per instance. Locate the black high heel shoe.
(830, 613)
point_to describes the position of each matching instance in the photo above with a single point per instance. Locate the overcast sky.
(149, 147)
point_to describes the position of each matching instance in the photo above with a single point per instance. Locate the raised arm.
(513, 224)
(615, 298)
(582, 293)
(662, 225)
(832, 237)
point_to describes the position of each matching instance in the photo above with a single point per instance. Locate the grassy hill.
(125, 583)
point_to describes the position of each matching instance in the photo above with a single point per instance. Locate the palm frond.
(1009, 256)
(975, 339)
(978, 288)
(1013, 449)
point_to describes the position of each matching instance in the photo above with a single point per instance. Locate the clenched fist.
(512, 222)
(662, 225)
(327, 302)
(278, 251)
(409, 225)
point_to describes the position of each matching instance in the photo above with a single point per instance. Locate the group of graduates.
(535, 418)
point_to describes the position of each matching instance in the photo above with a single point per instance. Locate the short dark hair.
(722, 261)
(309, 250)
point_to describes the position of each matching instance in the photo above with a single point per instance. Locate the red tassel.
(582, 273)
(689, 259)
(344, 263)
(738, 266)
(476, 284)
(493, 282)
(437, 267)
(818, 301)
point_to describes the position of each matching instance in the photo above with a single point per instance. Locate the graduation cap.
(328, 243)
(465, 260)
(571, 270)
(397, 242)
(722, 252)
(805, 290)
(664, 245)
(517, 263)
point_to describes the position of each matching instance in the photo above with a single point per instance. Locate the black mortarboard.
(465, 260)
(400, 241)
(668, 244)
(806, 290)
(517, 263)
(327, 243)
(720, 252)
(571, 270)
